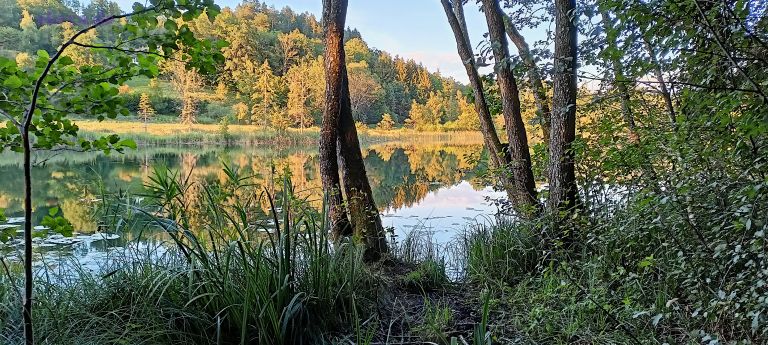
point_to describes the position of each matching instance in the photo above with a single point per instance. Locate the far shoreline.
(214, 134)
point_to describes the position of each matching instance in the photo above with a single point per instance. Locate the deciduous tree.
(338, 124)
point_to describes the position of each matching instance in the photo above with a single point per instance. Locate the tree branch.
(720, 44)
(129, 51)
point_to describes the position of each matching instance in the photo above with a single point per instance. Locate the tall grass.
(220, 279)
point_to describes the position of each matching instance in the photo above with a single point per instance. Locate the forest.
(185, 172)
(272, 66)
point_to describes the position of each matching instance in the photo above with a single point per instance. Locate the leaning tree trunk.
(662, 83)
(619, 79)
(498, 160)
(329, 166)
(563, 193)
(364, 215)
(534, 76)
(525, 198)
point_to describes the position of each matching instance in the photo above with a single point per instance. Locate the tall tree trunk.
(364, 215)
(563, 193)
(662, 83)
(525, 197)
(329, 164)
(534, 76)
(619, 79)
(455, 14)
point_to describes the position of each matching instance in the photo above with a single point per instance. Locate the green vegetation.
(651, 228)
(272, 74)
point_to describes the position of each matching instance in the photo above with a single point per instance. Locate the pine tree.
(264, 94)
(146, 111)
(386, 122)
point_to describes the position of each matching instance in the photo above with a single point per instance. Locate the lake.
(431, 188)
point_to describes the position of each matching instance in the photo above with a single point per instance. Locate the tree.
(24, 61)
(187, 82)
(563, 193)
(334, 12)
(221, 92)
(99, 9)
(293, 45)
(241, 112)
(357, 51)
(524, 194)
(30, 34)
(146, 111)
(534, 76)
(422, 82)
(79, 51)
(364, 90)
(386, 122)
(455, 13)
(263, 96)
(420, 116)
(338, 124)
(467, 119)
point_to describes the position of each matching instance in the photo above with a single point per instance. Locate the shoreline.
(244, 135)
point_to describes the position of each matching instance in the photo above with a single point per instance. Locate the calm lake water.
(427, 188)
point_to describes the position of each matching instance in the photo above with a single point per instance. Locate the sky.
(416, 29)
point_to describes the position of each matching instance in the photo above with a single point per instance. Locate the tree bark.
(329, 164)
(534, 76)
(525, 197)
(455, 14)
(563, 192)
(364, 215)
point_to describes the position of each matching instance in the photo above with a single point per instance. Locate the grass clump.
(224, 278)
(428, 275)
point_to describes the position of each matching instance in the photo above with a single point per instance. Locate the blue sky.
(415, 29)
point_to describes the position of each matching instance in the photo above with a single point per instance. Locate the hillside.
(272, 74)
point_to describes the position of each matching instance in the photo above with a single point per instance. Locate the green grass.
(236, 273)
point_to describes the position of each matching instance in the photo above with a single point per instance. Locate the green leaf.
(170, 25)
(12, 82)
(43, 54)
(66, 61)
(129, 143)
(53, 211)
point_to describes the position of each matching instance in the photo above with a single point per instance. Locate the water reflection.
(417, 187)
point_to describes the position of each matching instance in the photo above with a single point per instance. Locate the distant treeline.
(272, 74)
